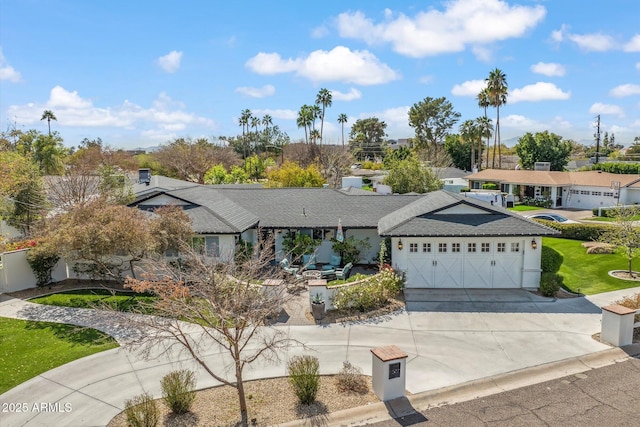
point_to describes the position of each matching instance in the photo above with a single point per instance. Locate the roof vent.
(144, 176)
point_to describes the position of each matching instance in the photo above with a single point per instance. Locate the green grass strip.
(28, 348)
(588, 273)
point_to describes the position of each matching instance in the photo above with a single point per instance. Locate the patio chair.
(343, 273)
(328, 274)
(309, 262)
(284, 264)
(335, 260)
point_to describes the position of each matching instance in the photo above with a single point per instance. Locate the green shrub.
(178, 390)
(350, 379)
(489, 186)
(142, 411)
(304, 377)
(371, 294)
(581, 231)
(550, 284)
(551, 260)
(42, 262)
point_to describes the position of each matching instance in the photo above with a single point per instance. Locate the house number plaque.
(394, 370)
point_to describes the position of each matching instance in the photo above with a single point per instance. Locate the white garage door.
(471, 263)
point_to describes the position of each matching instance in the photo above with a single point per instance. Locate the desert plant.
(350, 379)
(350, 248)
(632, 302)
(374, 292)
(304, 377)
(178, 390)
(550, 284)
(142, 411)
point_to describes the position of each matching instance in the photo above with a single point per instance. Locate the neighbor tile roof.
(422, 218)
(553, 178)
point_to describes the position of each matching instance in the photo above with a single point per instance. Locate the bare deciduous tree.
(202, 301)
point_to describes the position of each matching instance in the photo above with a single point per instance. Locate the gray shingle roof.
(315, 207)
(422, 218)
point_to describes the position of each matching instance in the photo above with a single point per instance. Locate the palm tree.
(314, 135)
(48, 115)
(483, 102)
(497, 90)
(316, 112)
(305, 118)
(323, 98)
(255, 122)
(342, 119)
(469, 134)
(485, 130)
(245, 117)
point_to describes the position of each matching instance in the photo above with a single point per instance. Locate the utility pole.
(597, 135)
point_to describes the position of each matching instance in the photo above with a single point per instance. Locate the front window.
(413, 247)
(515, 247)
(471, 247)
(486, 247)
(442, 247)
(455, 247)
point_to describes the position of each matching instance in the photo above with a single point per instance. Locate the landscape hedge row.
(582, 231)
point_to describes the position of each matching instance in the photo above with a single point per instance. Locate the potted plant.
(317, 307)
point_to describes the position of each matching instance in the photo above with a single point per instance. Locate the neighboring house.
(577, 190)
(444, 240)
(445, 223)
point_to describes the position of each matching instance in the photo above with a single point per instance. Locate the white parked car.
(552, 217)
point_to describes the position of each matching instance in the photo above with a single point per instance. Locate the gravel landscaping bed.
(270, 402)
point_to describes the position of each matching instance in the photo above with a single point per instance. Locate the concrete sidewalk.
(448, 345)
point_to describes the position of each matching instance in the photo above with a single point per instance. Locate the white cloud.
(277, 114)
(625, 90)
(469, 88)
(71, 109)
(349, 96)
(633, 45)
(600, 108)
(638, 66)
(482, 53)
(257, 92)
(519, 124)
(7, 72)
(461, 24)
(319, 32)
(171, 61)
(548, 69)
(540, 91)
(339, 64)
(426, 79)
(596, 42)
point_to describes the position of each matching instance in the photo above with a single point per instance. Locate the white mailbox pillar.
(389, 368)
(617, 325)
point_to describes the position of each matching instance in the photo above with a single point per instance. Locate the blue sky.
(139, 73)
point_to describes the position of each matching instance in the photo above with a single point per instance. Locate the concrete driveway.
(449, 342)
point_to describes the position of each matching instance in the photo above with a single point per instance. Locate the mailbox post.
(389, 366)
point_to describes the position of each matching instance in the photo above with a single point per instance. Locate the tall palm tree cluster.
(494, 95)
(254, 139)
(309, 114)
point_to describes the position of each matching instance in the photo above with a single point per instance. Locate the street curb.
(377, 412)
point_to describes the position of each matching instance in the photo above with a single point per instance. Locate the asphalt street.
(608, 396)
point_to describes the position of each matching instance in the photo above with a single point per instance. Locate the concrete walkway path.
(449, 342)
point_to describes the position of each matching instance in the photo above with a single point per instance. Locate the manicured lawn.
(588, 273)
(31, 348)
(96, 298)
(524, 208)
